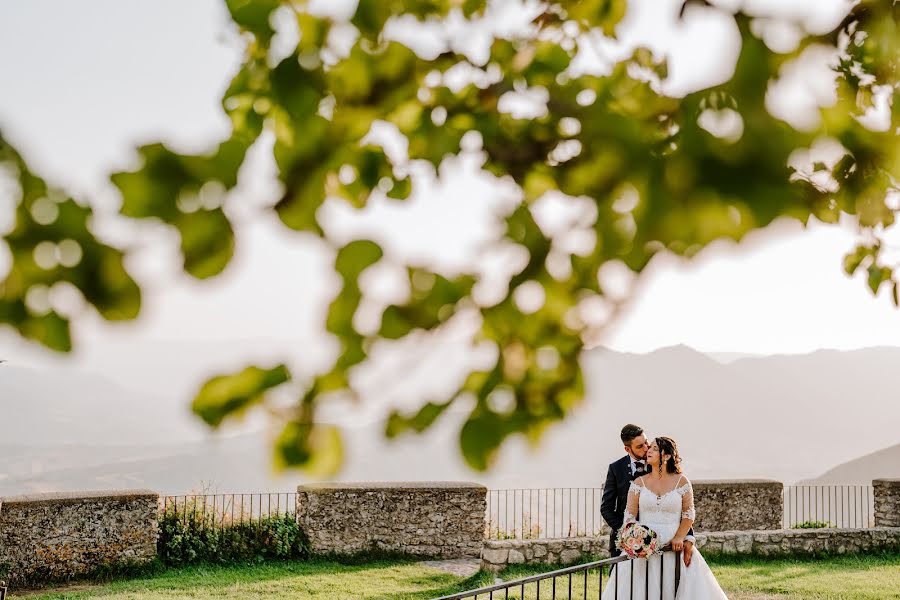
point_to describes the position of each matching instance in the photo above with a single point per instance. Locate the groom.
(618, 479)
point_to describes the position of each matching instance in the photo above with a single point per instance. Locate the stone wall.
(887, 502)
(433, 519)
(498, 554)
(48, 537)
(746, 504)
(792, 542)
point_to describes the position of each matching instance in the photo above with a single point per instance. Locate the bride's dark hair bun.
(668, 446)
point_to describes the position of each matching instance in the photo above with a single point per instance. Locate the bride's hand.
(677, 544)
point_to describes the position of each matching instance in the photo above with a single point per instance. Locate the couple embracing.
(647, 486)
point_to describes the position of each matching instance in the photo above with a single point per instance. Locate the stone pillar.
(739, 504)
(887, 502)
(48, 537)
(429, 519)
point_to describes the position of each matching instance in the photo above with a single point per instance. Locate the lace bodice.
(662, 513)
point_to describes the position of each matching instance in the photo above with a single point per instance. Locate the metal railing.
(543, 513)
(829, 506)
(223, 510)
(527, 513)
(586, 581)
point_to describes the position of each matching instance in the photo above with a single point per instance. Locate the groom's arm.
(609, 499)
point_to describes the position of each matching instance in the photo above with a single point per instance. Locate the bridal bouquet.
(637, 541)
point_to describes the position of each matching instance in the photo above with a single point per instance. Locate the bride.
(663, 501)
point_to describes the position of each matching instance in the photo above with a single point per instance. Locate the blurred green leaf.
(853, 260)
(604, 14)
(317, 448)
(479, 439)
(229, 395)
(253, 15)
(647, 172)
(401, 189)
(356, 257)
(420, 421)
(432, 302)
(877, 276)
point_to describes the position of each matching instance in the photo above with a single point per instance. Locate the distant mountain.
(215, 465)
(60, 406)
(778, 417)
(730, 357)
(861, 471)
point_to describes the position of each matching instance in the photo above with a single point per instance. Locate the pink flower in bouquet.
(637, 541)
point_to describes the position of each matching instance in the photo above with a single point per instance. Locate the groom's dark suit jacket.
(615, 499)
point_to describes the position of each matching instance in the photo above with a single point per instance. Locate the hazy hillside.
(67, 406)
(861, 471)
(782, 417)
(228, 464)
(779, 417)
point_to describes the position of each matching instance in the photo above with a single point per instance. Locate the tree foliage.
(656, 177)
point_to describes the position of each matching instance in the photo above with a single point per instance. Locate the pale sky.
(81, 84)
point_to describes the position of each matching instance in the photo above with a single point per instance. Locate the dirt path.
(462, 567)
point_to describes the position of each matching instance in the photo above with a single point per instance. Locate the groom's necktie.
(640, 468)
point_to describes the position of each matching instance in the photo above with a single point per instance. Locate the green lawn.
(851, 578)
(832, 579)
(276, 580)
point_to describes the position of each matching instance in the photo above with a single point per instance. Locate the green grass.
(835, 578)
(851, 578)
(316, 580)
(844, 578)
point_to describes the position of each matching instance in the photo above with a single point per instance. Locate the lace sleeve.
(687, 501)
(632, 508)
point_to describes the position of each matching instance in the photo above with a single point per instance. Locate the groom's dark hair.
(629, 432)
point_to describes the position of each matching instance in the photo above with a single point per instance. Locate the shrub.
(812, 525)
(187, 537)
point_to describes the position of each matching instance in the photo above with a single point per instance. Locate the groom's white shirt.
(634, 464)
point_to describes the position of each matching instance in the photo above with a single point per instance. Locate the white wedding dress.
(662, 514)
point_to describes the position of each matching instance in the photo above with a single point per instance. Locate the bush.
(812, 525)
(191, 537)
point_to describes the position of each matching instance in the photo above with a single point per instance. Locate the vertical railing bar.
(505, 511)
(840, 491)
(647, 579)
(515, 522)
(817, 504)
(631, 585)
(530, 512)
(662, 568)
(616, 584)
(868, 518)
